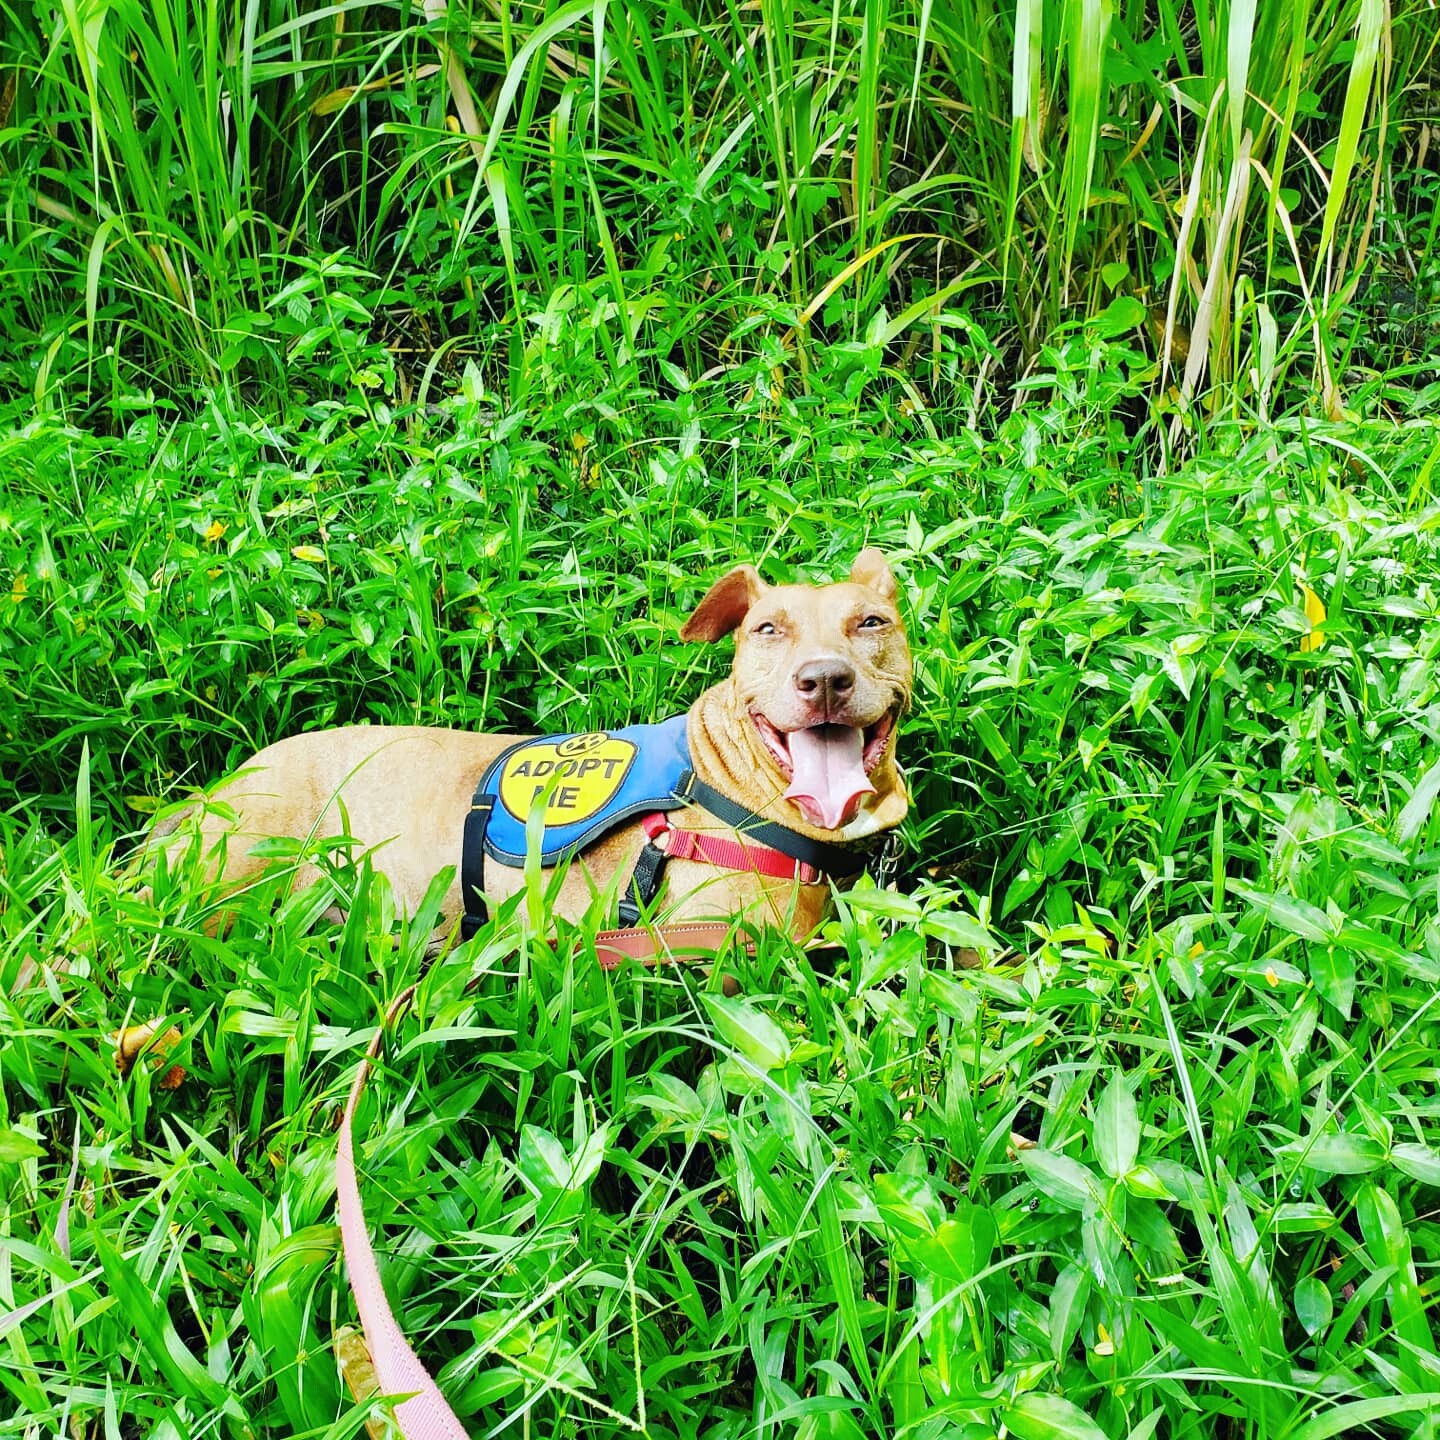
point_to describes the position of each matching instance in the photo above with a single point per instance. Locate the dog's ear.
(725, 604)
(871, 568)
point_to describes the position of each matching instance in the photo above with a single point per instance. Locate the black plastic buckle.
(644, 884)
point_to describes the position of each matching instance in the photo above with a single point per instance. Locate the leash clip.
(889, 864)
(887, 867)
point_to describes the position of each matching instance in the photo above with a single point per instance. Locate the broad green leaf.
(906, 1390)
(1388, 1241)
(1066, 1309)
(1299, 1217)
(845, 1286)
(1188, 1186)
(829, 1417)
(1417, 1161)
(961, 1246)
(1343, 1154)
(672, 1099)
(951, 998)
(554, 1358)
(1197, 1347)
(750, 1031)
(589, 1156)
(1332, 968)
(1142, 1181)
(16, 1145)
(955, 927)
(1148, 1426)
(284, 1276)
(1061, 1178)
(1371, 944)
(1050, 1417)
(1123, 313)
(908, 1203)
(1299, 917)
(895, 954)
(542, 1160)
(990, 736)
(1313, 1305)
(888, 904)
(1102, 1242)
(1180, 669)
(1117, 1129)
(1270, 973)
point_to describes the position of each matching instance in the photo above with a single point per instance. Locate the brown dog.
(801, 734)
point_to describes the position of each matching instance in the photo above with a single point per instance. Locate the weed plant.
(1162, 1163)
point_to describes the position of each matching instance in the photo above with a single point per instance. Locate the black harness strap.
(644, 884)
(829, 860)
(472, 864)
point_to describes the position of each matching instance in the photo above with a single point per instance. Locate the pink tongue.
(828, 773)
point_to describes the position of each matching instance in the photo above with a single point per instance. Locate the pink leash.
(425, 1415)
(398, 1370)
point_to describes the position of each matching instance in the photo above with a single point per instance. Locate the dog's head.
(822, 672)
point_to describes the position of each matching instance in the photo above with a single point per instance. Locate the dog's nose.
(824, 681)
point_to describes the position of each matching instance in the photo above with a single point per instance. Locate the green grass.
(1196, 851)
(716, 183)
(1115, 326)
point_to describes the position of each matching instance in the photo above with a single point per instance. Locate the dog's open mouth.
(828, 766)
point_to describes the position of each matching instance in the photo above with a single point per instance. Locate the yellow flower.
(216, 530)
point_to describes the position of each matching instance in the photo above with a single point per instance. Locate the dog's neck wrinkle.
(726, 752)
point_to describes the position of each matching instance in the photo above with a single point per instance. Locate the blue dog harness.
(589, 784)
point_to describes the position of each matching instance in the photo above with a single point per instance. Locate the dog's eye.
(873, 622)
(764, 628)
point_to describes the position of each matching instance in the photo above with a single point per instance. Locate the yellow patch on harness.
(583, 774)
